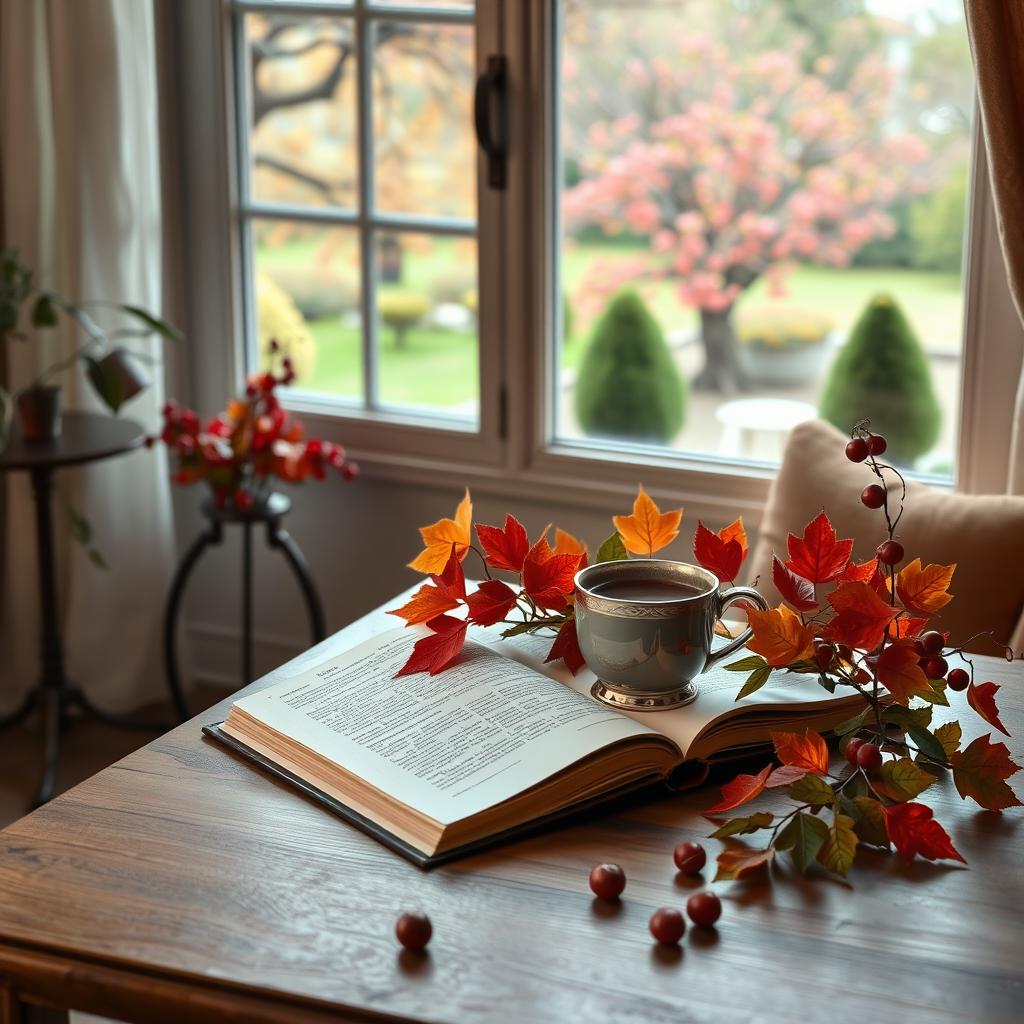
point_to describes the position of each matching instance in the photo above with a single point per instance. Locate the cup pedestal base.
(637, 700)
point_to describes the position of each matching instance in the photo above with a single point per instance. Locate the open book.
(438, 766)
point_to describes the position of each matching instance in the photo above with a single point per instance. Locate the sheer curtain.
(81, 201)
(996, 29)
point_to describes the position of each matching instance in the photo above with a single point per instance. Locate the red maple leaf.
(983, 699)
(741, 790)
(548, 577)
(447, 592)
(452, 579)
(859, 572)
(490, 602)
(906, 628)
(722, 555)
(436, 652)
(980, 772)
(914, 831)
(567, 647)
(818, 556)
(795, 590)
(898, 667)
(506, 548)
(861, 616)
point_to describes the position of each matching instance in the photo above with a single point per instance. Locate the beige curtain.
(996, 29)
(81, 201)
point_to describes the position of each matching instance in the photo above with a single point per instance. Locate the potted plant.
(114, 374)
(782, 345)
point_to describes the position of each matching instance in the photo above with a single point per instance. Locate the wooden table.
(182, 885)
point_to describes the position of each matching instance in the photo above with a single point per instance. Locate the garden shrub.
(402, 310)
(281, 321)
(452, 285)
(882, 374)
(628, 384)
(781, 326)
(319, 292)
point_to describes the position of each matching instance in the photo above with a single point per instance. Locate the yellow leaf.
(779, 637)
(648, 529)
(924, 589)
(439, 537)
(840, 848)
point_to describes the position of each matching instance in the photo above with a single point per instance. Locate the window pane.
(425, 157)
(302, 84)
(427, 326)
(763, 220)
(306, 296)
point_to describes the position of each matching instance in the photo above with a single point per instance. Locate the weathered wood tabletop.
(182, 884)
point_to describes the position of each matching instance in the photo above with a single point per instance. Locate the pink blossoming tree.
(737, 163)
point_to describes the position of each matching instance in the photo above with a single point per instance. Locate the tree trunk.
(722, 371)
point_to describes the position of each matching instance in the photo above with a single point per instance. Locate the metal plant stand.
(269, 513)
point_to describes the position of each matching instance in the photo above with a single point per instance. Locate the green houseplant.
(113, 373)
(628, 384)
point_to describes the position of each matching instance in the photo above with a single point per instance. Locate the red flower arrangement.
(252, 441)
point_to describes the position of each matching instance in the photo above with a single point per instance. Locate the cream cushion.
(983, 534)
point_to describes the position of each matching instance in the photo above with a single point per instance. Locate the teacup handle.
(724, 600)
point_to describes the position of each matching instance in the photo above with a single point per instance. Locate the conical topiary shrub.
(628, 385)
(882, 375)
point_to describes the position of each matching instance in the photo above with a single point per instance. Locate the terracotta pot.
(39, 413)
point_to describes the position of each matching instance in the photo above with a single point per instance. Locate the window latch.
(490, 117)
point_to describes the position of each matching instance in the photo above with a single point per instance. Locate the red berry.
(823, 655)
(607, 881)
(852, 746)
(667, 925)
(690, 858)
(931, 642)
(958, 679)
(704, 908)
(935, 666)
(413, 931)
(873, 496)
(890, 552)
(869, 757)
(857, 450)
(876, 444)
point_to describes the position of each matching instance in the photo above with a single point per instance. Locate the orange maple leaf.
(741, 790)
(899, 669)
(648, 529)
(924, 589)
(427, 603)
(439, 537)
(808, 752)
(735, 531)
(567, 544)
(779, 636)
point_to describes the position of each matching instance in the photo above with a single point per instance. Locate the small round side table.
(84, 437)
(269, 514)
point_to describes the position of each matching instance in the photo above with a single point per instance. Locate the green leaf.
(519, 628)
(97, 559)
(936, 694)
(154, 323)
(804, 837)
(826, 682)
(44, 312)
(840, 847)
(745, 664)
(868, 819)
(927, 743)
(949, 736)
(812, 789)
(755, 681)
(902, 779)
(852, 724)
(743, 826)
(612, 550)
(908, 718)
(105, 382)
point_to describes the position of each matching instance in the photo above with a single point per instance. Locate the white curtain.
(80, 174)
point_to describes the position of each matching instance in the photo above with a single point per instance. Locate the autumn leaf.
(505, 548)
(447, 592)
(914, 832)
(648, 529)
(868, 820)
(983, 699)
(899, 669)
(905, 628)
(739, 861)
(548, 577)
(924, 590)
(811, 789)
(743, 826)
(861, 616)
(439, 537)
(785, 775)
(902, 779)
(741, 790)
(949, 735)
(859, 572)
(795, 590)
(807, 752)
(804, 836)
(567, 544)
(612, 550)
(980, 772)
(840, 846)
(735, 531)
(567, 647)
(436, 652)
(818, 556)
(490, 602)
(721, 553)
(779, 636)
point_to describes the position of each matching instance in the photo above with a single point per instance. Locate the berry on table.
(873, 496)
(876, 444)
(931, 642)
(869, 757)
(852, 746)
(857, 450)
(413, 931)
(704, 908)
(958, 679)
(607, 881)
(667, 925)
(690, 858)
(890, 552)
(935, 666)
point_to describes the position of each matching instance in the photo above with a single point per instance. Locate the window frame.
(511, 453)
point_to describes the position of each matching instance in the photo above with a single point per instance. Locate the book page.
(448, 745)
